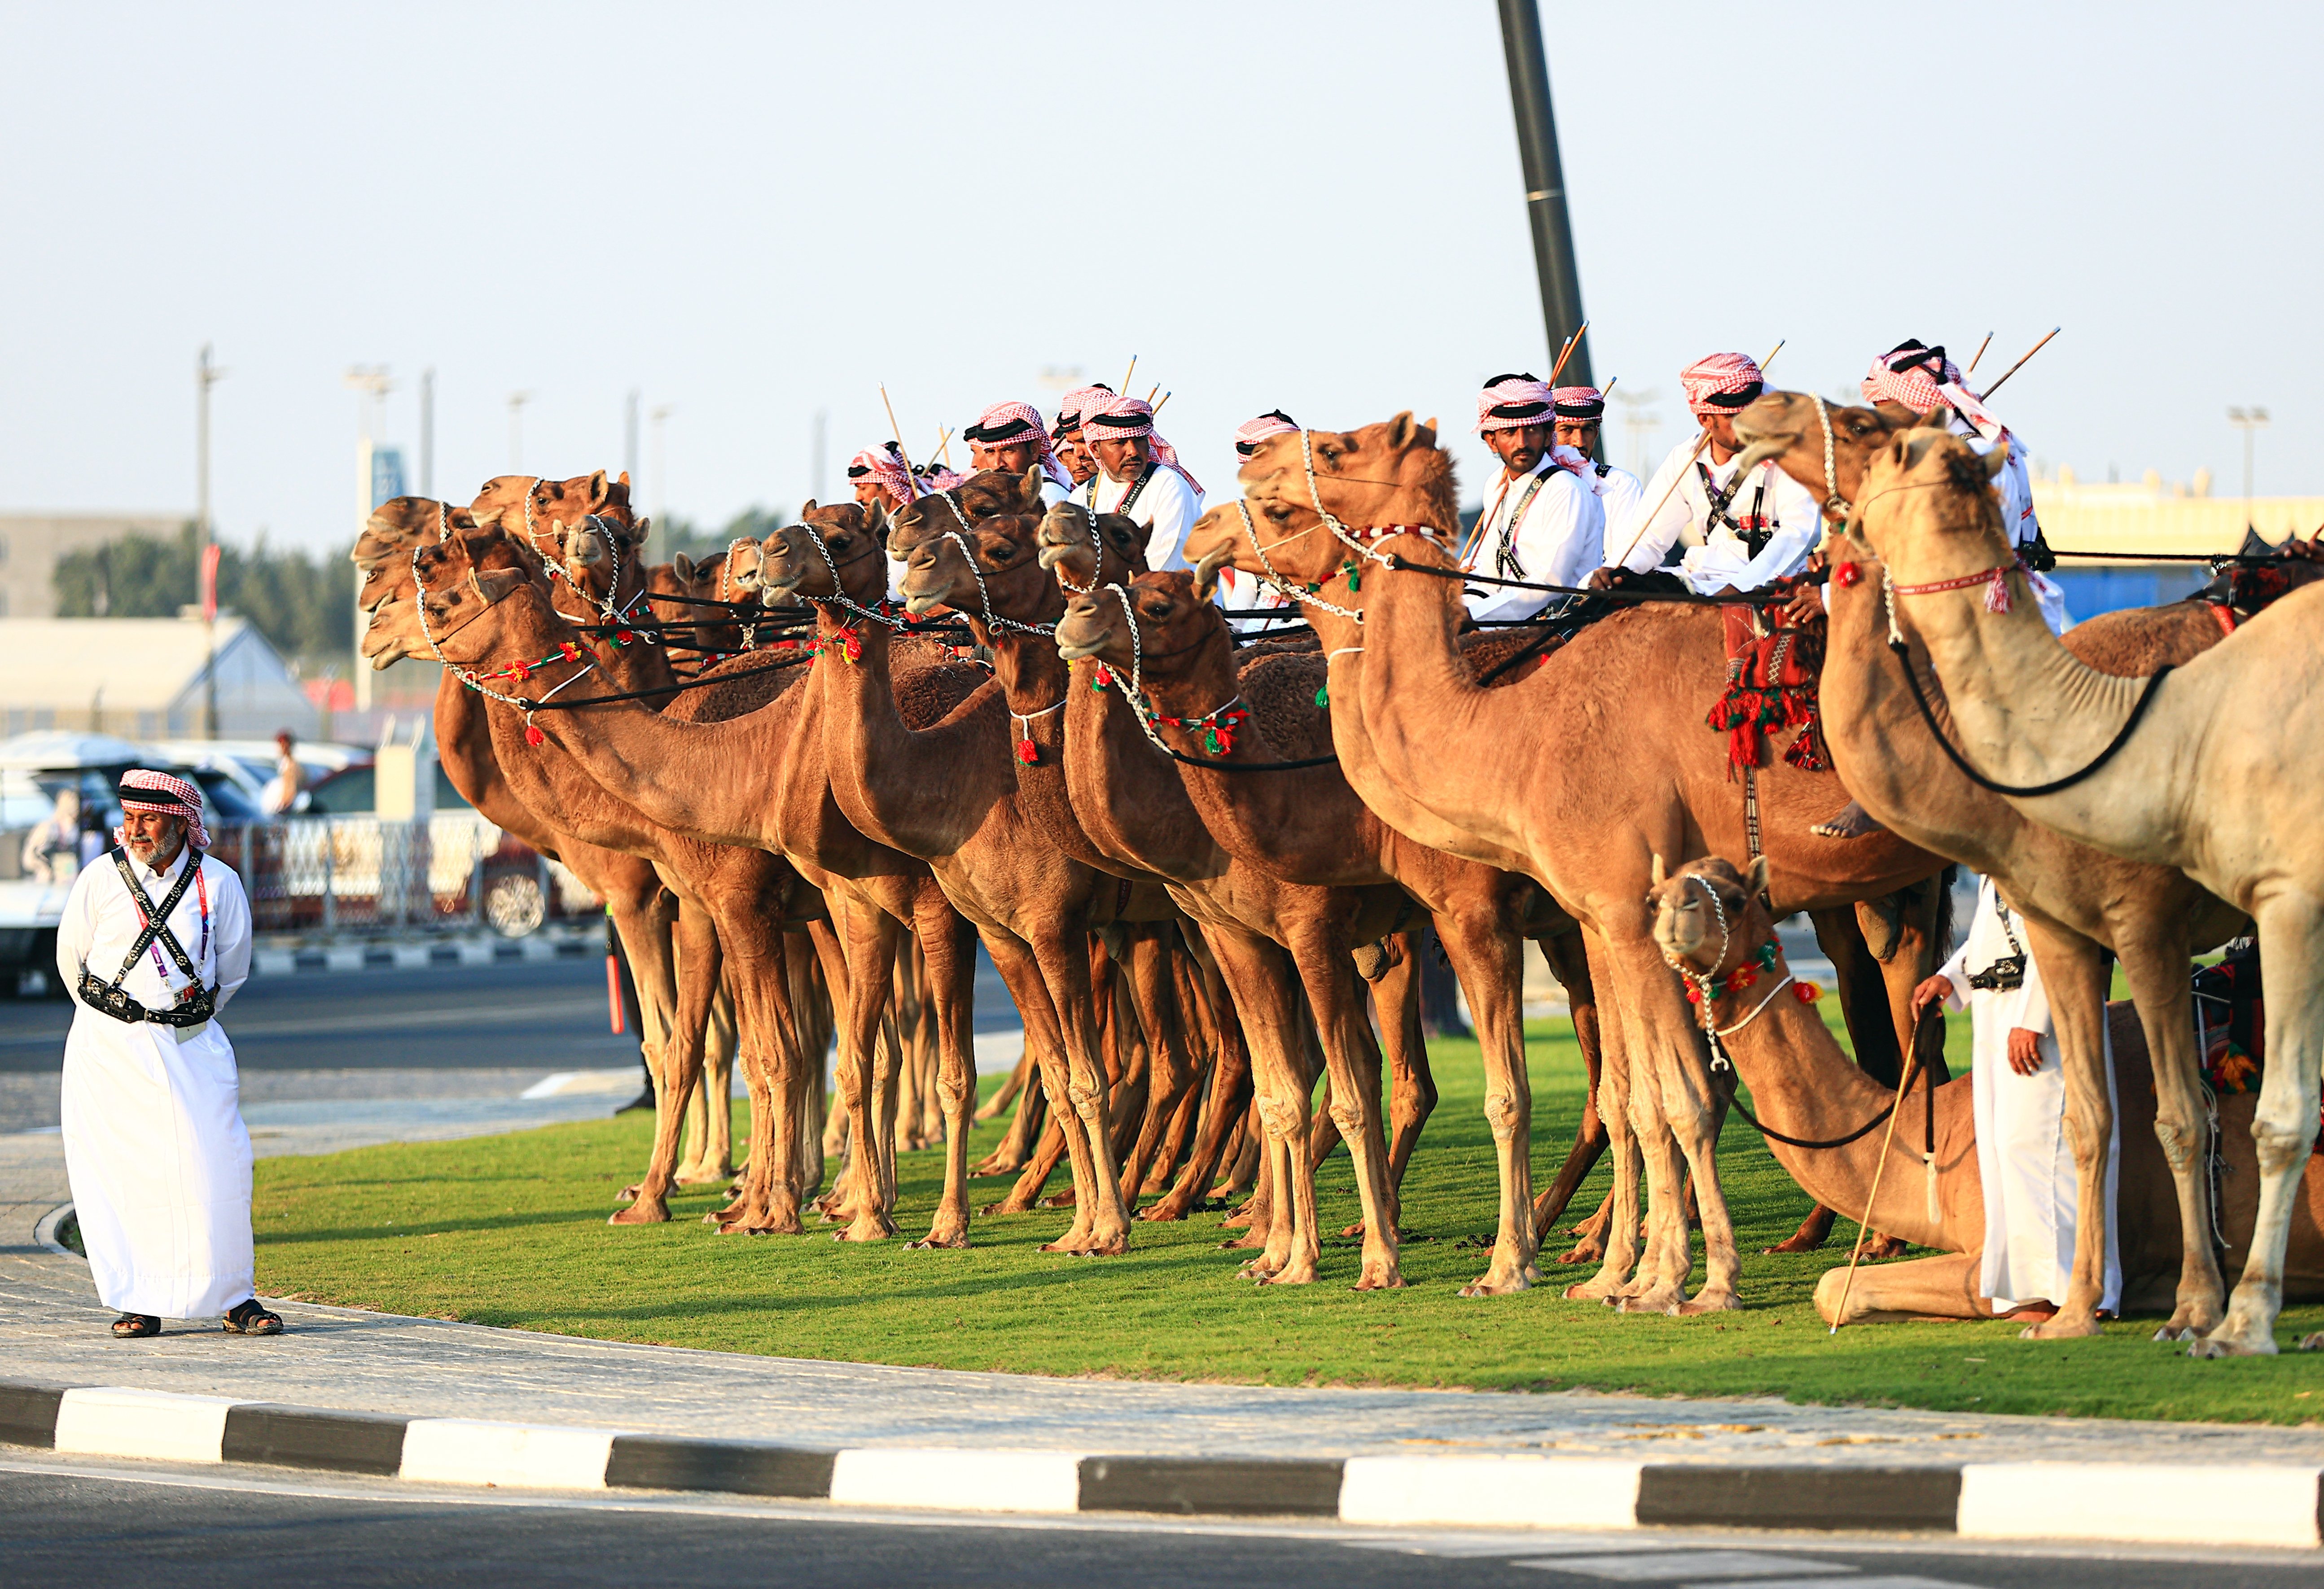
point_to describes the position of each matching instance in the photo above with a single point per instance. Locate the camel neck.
(1128, 799)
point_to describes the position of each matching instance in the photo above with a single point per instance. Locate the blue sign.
(386, 474)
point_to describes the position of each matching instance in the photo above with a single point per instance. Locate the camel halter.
(1350, 538)
(1835, 506)
(532, 734)
(1089, 516)
(993, 622)
(1304, 593)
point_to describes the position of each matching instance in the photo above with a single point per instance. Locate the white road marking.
(1663, 1566)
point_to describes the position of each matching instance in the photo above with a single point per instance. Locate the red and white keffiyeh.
(166, 795)
(936, 477)
(1734, 378)
(1019, 424)
(1079, 404)
(886, 466)
(1124, 417)
(1252, 432)
(1510, 403)
(1921, 377)
(1578, 402)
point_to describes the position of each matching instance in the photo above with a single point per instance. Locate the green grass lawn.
(510, 1231)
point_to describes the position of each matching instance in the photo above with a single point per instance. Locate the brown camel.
(1306, 825)
(2211, 768)
(1145, 827)
(746, 897)
(2078, 903)
(1803, 1086)
(1577, 774)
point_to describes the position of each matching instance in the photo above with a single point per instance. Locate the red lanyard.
(202, 890)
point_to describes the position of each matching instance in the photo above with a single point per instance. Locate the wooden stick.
(944, 444)
(1566, 352)
(1166, 397)
(1151, 391)
(1864, 1225)
(1700, 443)
(1980, 353)
(1607, 391)
(897, 432)
(1126, 374)
(2020, 364)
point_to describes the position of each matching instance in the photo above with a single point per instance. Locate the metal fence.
(358, 873)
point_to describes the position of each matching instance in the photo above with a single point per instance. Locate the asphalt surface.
(74, 1520)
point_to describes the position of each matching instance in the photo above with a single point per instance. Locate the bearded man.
(155, 940)
(1010, 438)
(1546, 524)
(1139, 476)
(1066, 437)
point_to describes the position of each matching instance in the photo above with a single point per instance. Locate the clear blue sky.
(750, 212)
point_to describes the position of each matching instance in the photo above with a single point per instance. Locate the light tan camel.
(2211, 767)
(1306, 824)
(746, 895)
(1142, 825)
(1578, 774)
(2078, 903)
(1708, 920)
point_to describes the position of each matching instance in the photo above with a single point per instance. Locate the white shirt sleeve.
(1623, 495)
(1173, 505)
(77, 929)
(230, 928)
(1671, 521)
(1798, 528)
(1561, 540)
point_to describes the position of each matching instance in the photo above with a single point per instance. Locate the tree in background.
(303, 602)
(674, 534)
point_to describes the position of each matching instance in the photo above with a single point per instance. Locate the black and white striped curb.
(407, 955)
(2153, 1502)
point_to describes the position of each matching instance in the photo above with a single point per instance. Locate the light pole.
(821, 445)
(371, 385)
(428, 433)
(2247, 421)
(1544, 180)
(1640, 425)
(661, 463)
(205, 375)
(630, 444)
(517, 400)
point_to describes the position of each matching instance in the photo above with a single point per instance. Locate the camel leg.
(1224, 1110)
(869, 937)
(1025, 1127)
(1619, 1233)
(1412, 1083)
(1336, 994)
(948, 974)
(2155, 957)
(1201, 1044)
(2076, 976)
(1938, 1287)
(812, 1025)
(766, 1027)
(709, 1157)
(1100, 1221)
(1262, 992)
(2284, 1129)
(645, 915)
(1569, 961)
(1669, 1076)
(1170, 1070)
(1489, 961)
(1044, 1035)
(699, 955)
(904, 1014)
(1008, 1092)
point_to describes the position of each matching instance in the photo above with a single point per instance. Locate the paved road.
(80, 1520)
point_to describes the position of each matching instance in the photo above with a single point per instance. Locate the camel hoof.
(1708, 1302)
(2314, 1342)
(2173, 1333)
(1162, 1213)
(1064, 1199)
(934, 1241)
(1393, 1282)
(1590, 1292)
(1303, 1275)
(2060, 1328)
(630, 1194)
(1664, 1299)
(655, 1212)
(1793, 1244)
(1502, 1282)
(1587, 1253)
(2220, 1344)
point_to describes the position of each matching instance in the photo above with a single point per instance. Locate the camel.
(1709, 922)
(1577, 774)
(644, 912)
(2209, 767)
(1306, 825)
(702, 606)
(748, 897)
(1142, 825)
(2078, 903)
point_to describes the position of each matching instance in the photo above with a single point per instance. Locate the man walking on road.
(155, 940)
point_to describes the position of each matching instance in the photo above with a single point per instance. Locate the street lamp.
(2247, 421)
(660, 416)
(371, 386)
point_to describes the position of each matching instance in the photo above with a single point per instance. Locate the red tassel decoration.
(1028, 753)
(534, 737)
(1997, 594)
(1847, 575)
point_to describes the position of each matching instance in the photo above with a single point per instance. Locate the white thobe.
(154, 1143)
(2023, 1157)
(1558, 536)
(1716, 555)
(2017, 488)
(1167, 508)
(1623, 495)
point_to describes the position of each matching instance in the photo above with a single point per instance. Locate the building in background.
(30, 544)
(2163, 520)
(142, 678)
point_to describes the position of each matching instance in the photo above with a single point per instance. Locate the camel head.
(1176, 623)
(1281, 532)
(834, 549)
(1929, 510)
(1107, 547)
(1782, 425)
(1007, 572)
(1391, 473)
(585, 523)
(402, 523)
(1708, 920)
(985, 495)
(453, 581)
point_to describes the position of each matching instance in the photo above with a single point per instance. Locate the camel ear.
(1400, 431)
(1755, 881)
(683, 566)
(1660, 876)
(495, 584)
(625, 480)
(875, 520)
(597, 491)
(643, 527)
(1033, 481)
(1207, 572)
(807, 508)
(1997, 461)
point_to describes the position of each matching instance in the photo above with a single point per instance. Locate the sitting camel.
(2211, 767)
(1710, 925)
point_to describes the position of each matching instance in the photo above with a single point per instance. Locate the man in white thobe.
(881, 479)
(1012, 438)
(1741, 532)
(2018, 1097)
(1579, 415)
(1065, 436)
(154, 1143)
(1269, 603)
(1138, 475)
(1545, 523)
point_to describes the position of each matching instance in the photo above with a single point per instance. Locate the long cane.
(897, 432)
(1980, 355)
(2020, 364)
(1864, 1225)
(1700, 442)
(1566, 352)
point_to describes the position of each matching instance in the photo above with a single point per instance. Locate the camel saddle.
(1772, 675)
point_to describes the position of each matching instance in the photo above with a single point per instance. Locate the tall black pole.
(1544, 180)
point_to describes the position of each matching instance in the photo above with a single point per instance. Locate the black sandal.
(131, 1326)
(248, 1319)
